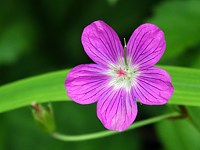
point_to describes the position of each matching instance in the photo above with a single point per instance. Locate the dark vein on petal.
(113, 44)
(130, 102)
(87, 82)
(150, 55)
(133, 104)
(142, 94)
(114, 116)
(151, 74)
(149, 84)
(109, 38)
(157, 93)
(123, 102)
(153, 52)
(112, 99)
(94, 54)
(73, 80)
(105, 97)
(147, 91)
(98, 51)
(149, 59)
(91, 88)
(110, 52)
(139, 43)
(154, 79)
(121, 111)
(98, 91)
(109, 44)
(117, 45)
(97, 70)
(144, 68)
(145, 50)
(90, 66)
(90, 84)
(133, 43)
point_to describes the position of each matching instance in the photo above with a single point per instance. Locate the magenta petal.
(85, 82)
(117, 109)
(101, 43)
(146, 45)
(153, 86)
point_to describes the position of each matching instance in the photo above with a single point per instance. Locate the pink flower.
(119, 76)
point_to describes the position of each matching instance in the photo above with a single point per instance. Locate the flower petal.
(146, 45)
(84, 83)
(101, 43)
(153, 87)
(117, 109)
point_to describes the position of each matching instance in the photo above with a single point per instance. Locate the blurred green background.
(38, 36)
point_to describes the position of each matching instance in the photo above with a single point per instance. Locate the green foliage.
(15, 40)
(186, 84)
(181, 24)
(178, 135)
(194, 116)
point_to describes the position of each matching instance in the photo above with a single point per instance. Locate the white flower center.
(122, 75)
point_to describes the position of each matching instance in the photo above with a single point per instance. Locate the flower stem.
(106, 133)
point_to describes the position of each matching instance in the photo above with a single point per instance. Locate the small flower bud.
(44, 117)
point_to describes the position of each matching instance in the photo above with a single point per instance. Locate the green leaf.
(50, 87)
(194, 115)
(178, 135)
(181, 24)
(186, 84)
(43, 88)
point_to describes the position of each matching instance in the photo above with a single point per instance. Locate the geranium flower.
(119, 76)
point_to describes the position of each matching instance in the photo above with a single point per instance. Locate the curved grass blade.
(50, 87)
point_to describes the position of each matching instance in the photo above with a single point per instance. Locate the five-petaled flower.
(120, 75)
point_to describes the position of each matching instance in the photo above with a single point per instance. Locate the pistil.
(121, 73)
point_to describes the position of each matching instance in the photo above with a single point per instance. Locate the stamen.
(125, 59)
